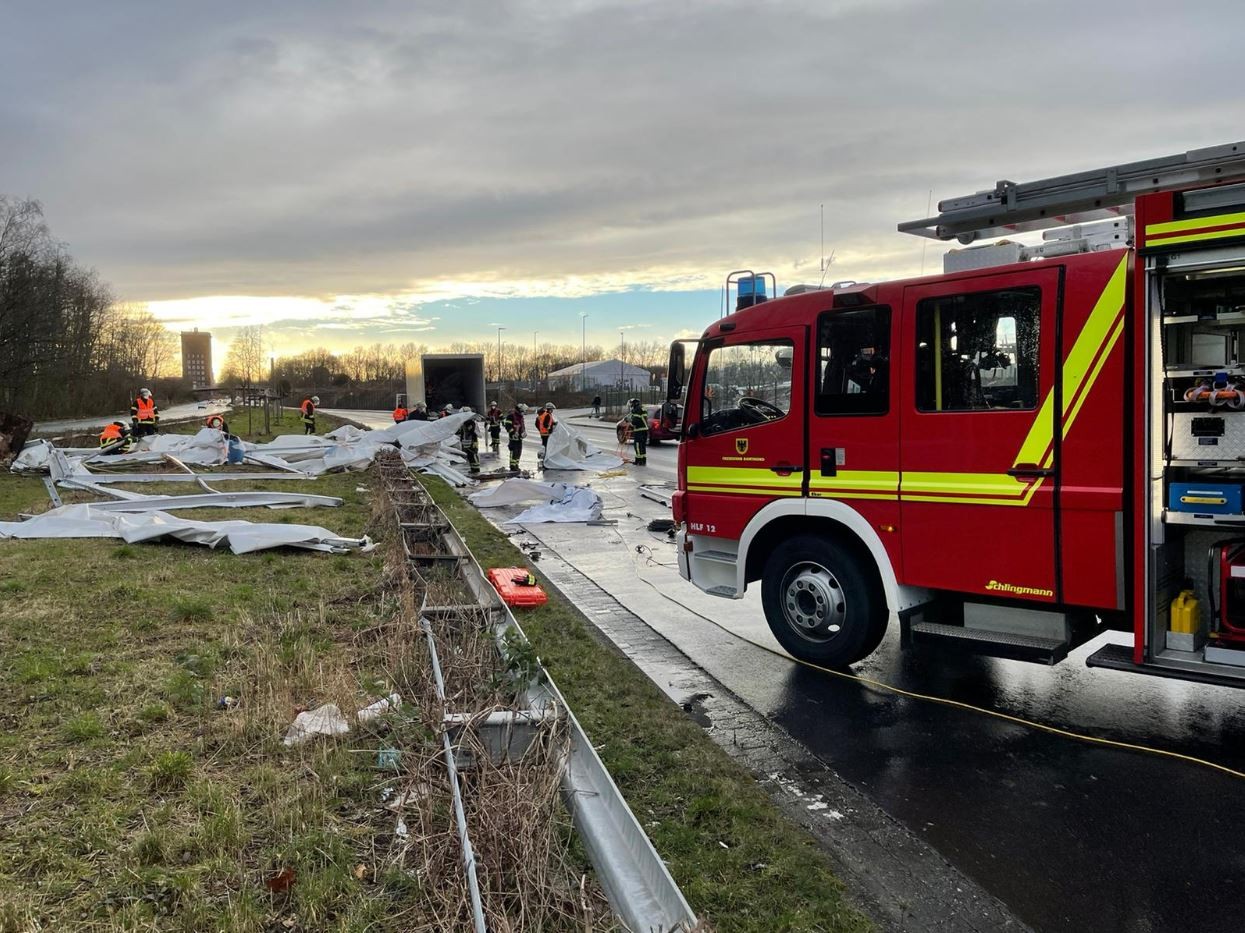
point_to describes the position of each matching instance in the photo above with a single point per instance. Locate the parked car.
(659, 429)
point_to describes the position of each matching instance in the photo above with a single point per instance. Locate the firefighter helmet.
(548, 406)
(145, 393)
(520, 407)
(466, 410)
(315, 400)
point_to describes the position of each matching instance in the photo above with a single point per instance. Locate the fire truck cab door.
(746, 444)
(978, 452)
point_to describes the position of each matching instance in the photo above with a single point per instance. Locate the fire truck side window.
(746, 384)
(853, 354)
(978, 352)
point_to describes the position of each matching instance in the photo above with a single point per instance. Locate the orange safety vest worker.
(215, 421)
(544, 422)
(144, 410)
(116, 432)
(399, 414)
(308, 408)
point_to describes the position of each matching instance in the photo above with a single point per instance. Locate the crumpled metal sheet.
(563, 502)
(569, 450)
(428, 445)
(241, 537)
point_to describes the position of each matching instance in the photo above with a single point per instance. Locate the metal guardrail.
(632, 875)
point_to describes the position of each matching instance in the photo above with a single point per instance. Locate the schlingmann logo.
(997, 587)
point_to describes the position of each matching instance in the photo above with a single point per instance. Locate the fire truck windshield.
(746, 384)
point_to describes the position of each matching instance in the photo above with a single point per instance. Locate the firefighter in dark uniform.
(469, 440)
(418, 413)
(516, 430)
(493, 418)
(308, 409)
(117, 438)
(144, 415)
(637, 420)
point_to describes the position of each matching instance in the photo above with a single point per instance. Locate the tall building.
(197, 357)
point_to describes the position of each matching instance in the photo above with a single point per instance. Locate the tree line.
(66, 344)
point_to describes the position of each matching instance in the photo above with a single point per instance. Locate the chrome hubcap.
(813, 602)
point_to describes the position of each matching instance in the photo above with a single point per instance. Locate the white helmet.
(145, 393)
(420, 406)
(465, 410)
(492, 404)
(522, 407)
(548, 406)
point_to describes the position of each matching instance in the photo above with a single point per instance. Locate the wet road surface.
(1071, 836)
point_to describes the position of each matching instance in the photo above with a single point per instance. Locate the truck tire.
(822, 601)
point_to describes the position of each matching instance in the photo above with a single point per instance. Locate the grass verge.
(739, 861)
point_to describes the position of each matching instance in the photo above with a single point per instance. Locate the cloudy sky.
(417, 170)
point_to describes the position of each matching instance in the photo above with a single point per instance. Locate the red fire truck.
(1043, 442)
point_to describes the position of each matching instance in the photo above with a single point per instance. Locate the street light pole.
(622, 351)
(583, 350)
(499, 356)
(535, 368)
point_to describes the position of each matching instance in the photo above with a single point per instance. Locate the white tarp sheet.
(569, 450)
(427, 445)
(84, 521)
(563, 502)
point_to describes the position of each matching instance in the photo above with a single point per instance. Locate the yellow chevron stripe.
(1076, 368)
(1196, 237)
(1196, 223)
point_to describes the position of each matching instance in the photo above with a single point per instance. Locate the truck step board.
(995, 644)
(721, 557)
(1120, 658)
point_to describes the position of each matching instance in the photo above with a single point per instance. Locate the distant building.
(603, 374)
(197, 357)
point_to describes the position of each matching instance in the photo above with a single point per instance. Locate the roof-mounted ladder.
(1072, 199)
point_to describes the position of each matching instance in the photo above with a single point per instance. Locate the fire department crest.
(741, 445)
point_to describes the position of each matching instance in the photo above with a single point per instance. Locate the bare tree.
(244, 362)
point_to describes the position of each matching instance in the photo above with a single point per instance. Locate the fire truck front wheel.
(822, 601)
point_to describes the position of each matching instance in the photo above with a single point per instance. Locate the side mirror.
(691, 430)
(783, 357)
(676, 372)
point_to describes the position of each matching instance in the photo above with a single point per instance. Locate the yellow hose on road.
(944, 701)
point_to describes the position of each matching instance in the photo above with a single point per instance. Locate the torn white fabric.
(323, 720)
(569, 450)
(241, 537)
(328, 720)
(563, 502)
(426, 445)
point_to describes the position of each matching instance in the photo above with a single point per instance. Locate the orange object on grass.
(517, 587)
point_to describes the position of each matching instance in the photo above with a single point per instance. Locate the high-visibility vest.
(638, 422)
(544, 422)
(145, 410)
(399, 414)
(308, 409)
(111, 432)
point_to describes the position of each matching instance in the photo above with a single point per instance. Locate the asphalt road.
(1071, 836)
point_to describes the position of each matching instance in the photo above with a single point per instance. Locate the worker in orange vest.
(308, 408)
(144, 415)
(117, 438)
(399, 414)
(218, 422)
(545, 424)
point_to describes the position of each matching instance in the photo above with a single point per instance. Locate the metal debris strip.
(635, 880)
